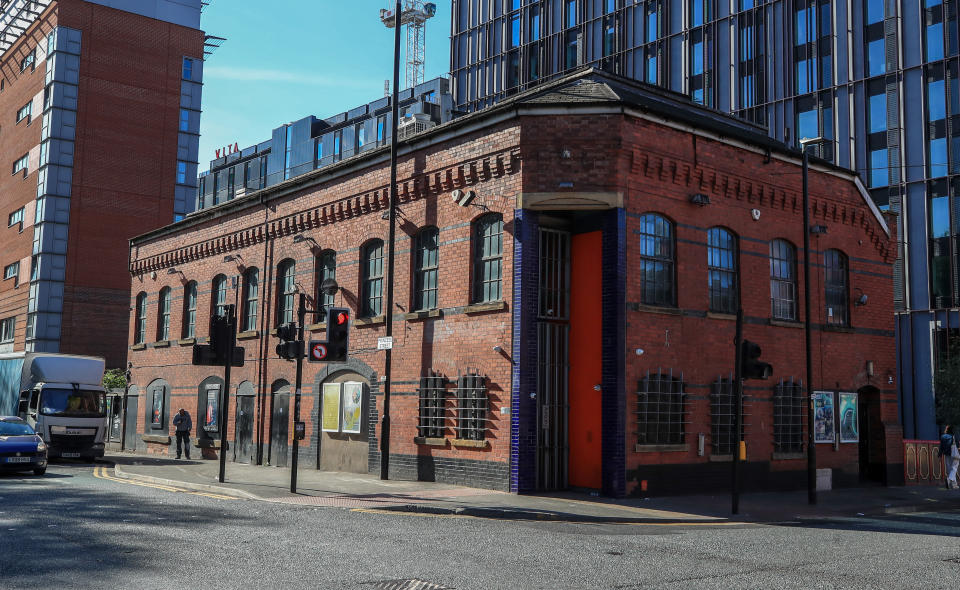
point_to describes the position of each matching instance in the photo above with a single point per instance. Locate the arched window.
(488, 258)
(426, 267)
(163, 315)
(837, 292)
(190, 310)
(218, 297)
(251, 299)
(722, 270)
(371, 262)
(783, 280)
(326, 269)
(140, 327)
(286, 290)
(656, 261)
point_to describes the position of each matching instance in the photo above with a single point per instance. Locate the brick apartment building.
(565, 295)
(101, 103)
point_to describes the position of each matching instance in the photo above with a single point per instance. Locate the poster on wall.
(823, 418)
(849, 423)
(352, 404)
(212, 413)
(331, 407)
(156, 414)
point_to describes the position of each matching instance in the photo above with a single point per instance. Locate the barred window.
(251, 298)
(427, 265)
(218, 296)
(433, 390)
(190, 310)
(661, 409)
(836, 287)
(722, 270)
(656, 260)
(326, 269)
(286, 290)
(140, 327)
(723, 407)
(472, 407)
(488, 259)
(783, 280)
(788, 417)
(163, 315)
(372, 264)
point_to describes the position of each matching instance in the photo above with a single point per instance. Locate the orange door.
(585, 360)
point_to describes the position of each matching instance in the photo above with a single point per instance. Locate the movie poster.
(352, 404)
(823, 417)
(212, 414)
(156, 415)
(331, 407)
(849, 431)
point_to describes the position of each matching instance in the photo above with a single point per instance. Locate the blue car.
(21, 448)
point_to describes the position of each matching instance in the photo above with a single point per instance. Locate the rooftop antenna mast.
(414, 15)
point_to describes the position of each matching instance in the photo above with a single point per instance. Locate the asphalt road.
(71, 529)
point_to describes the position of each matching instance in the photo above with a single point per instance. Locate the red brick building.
(566, 285)
(101, 103)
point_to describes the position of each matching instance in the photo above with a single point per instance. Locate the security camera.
(497, 349)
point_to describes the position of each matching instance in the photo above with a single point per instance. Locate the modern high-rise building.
(875, 82)
(100, 130)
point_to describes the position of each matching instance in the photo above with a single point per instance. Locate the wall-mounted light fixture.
(300, 239)
(862, 299)
(172, 271)
(700, 199)
(818, 230)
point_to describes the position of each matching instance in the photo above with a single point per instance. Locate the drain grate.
(412, 584)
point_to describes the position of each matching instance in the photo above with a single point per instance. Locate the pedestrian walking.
(183, 424)
(951, 457)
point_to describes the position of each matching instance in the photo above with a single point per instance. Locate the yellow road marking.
(101, 472)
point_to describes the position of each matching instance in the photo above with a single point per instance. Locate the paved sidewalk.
(350, 490)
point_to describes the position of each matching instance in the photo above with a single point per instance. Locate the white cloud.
(287, 77)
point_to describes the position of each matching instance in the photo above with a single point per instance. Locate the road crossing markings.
(102, 472)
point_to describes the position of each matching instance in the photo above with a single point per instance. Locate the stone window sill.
(787, 456)
(186, 341)
(662, 448)
(430, 442)
(374, 321)
(655, 309)
(786, 323)
(248, 335)
(473, 444)
(422, 315)
(715, 315)
(156, 438)
(484, 307)
(161, 344)
(315, 327)
(207, 443)
(140, 346)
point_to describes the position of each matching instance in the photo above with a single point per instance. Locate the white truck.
(61, 396)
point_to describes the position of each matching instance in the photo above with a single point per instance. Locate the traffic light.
(289, 347)
(338, 334)
(751, 367)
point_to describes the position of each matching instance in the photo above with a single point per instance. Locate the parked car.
(21, 448)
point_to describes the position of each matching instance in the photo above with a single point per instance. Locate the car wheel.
(40, 471)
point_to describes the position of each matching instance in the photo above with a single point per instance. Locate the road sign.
(385, 343)
(318, 351)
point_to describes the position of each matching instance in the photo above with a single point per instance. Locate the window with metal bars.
(783, 280)
(488, 258)
(427, 268)
(472, 407)
(723, 399)
(722, 270)
(372, 267)
(190, 310)
(163, 315)
(835, 285)
(788, 417)
(661, 409)
(656, 260)
(433, 394)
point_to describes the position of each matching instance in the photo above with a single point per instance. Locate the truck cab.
(70, 417)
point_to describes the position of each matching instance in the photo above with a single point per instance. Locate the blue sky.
(287, 59)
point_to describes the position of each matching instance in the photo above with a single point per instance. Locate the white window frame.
(25, 112)
(15, 217)
(22, 163)
(8, 328)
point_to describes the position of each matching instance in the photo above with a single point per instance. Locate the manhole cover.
(407, 585)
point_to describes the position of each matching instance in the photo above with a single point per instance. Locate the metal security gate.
(552, 364)
(279, 429)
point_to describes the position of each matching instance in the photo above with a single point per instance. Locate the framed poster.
(331, 407)
(823, 418)
(211, 416)
(352, 404)
(156, 412)
(849, 423)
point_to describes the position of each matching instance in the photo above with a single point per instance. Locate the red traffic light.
(342, 318)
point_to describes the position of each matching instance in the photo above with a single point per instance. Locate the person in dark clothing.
(183, 424)
(951, 457)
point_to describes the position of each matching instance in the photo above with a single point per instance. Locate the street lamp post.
(388, 316)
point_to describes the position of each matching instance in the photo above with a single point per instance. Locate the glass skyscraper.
(877, 80)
